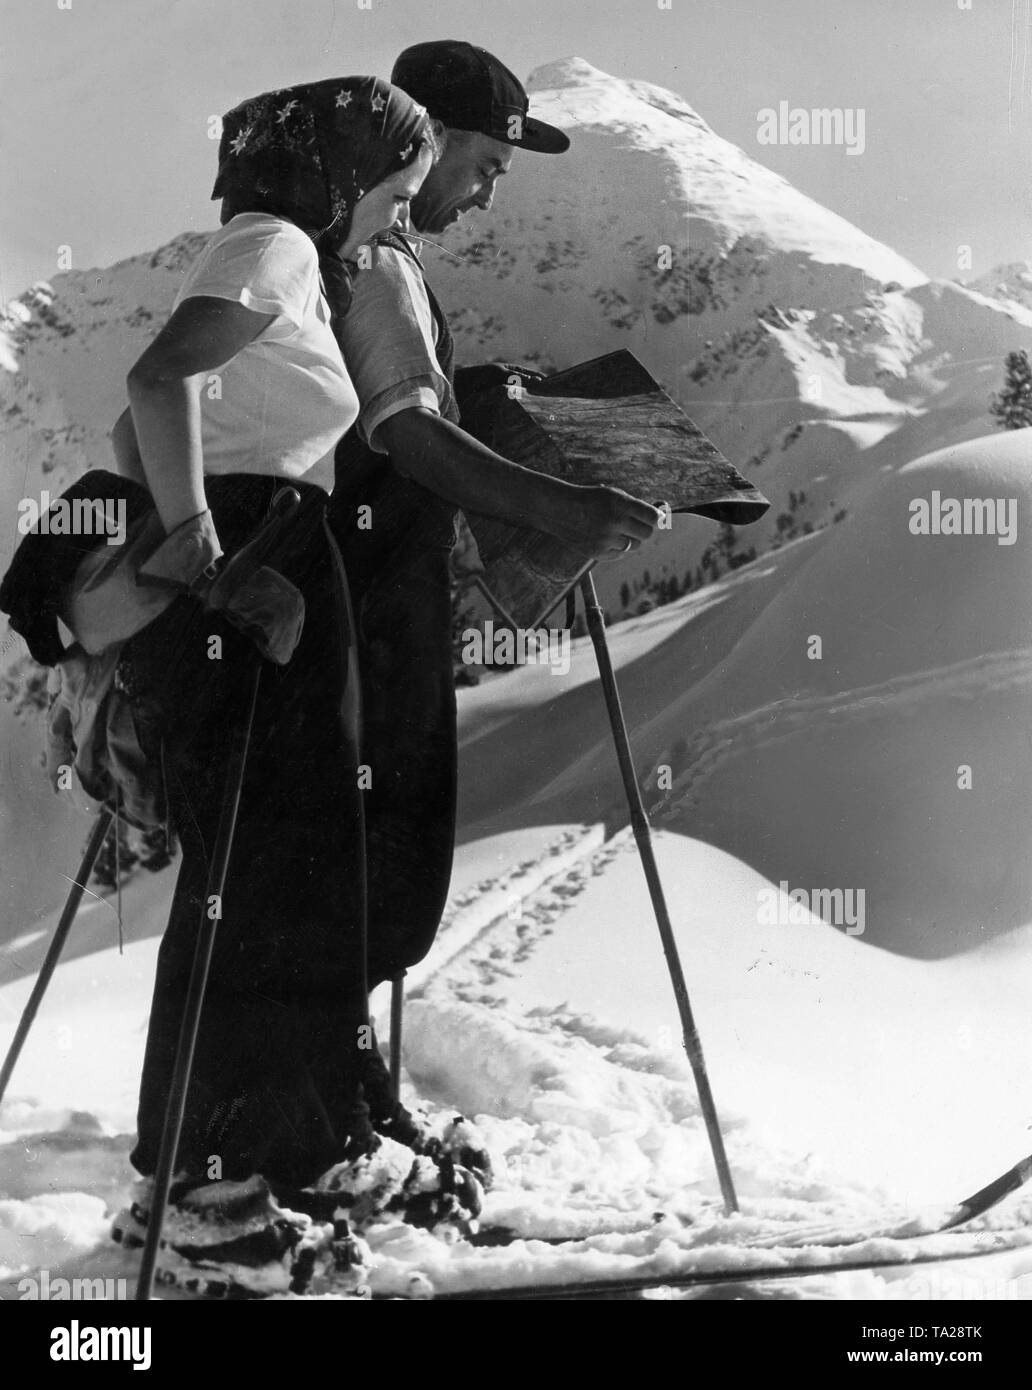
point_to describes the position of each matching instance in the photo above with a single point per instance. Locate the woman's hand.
(185, 556)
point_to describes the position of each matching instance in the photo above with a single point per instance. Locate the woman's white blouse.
(281, 404)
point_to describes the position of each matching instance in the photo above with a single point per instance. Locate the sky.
(105, 105)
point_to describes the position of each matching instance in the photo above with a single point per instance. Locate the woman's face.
(387, 204)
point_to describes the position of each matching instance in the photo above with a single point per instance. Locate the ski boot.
(227, 1239)
(388, 1182)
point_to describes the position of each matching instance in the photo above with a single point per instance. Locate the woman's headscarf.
(308, 153)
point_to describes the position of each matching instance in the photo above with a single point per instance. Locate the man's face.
(462, 179)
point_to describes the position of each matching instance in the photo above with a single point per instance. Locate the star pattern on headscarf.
(344, 98)
(283, 113)
(377, 103)
(239, 141)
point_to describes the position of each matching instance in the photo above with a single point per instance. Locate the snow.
(869, 1079)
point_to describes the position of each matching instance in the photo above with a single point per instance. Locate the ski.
(211, 1282)
(904, 1226)
(1004, 1242)
(498, 1236)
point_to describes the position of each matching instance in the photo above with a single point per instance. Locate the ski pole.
(176, 1105)
(64, 926)
(397, 1006)
(643, 837)
(993, 1192)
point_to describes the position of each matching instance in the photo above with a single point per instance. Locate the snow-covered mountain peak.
(563, 72)
(645, 153)
(587, 95)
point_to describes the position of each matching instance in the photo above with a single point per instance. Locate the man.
(401, 475)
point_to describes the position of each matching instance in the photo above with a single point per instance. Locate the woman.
(243, 391)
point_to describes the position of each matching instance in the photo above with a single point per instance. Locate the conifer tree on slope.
(1013, 406)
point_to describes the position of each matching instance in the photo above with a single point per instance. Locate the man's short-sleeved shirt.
(280, 405)
(390, 344)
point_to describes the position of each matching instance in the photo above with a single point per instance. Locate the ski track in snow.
(477, 908)
(783, 719)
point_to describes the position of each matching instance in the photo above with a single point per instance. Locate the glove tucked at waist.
(266, 607)
(257, 599)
